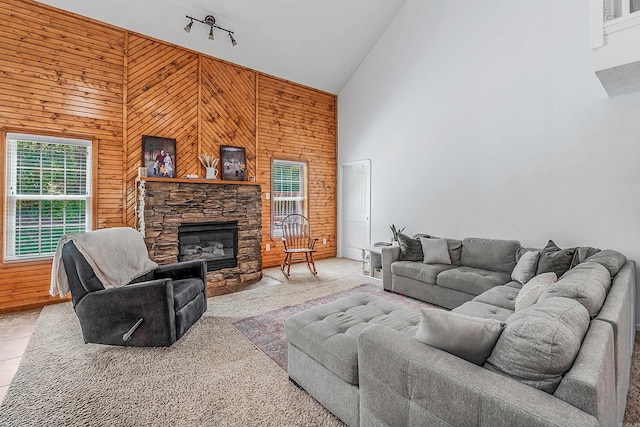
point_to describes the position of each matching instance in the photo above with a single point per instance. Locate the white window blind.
(289, 192)
(48, 193)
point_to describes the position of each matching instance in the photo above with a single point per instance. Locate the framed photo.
(234, 163)
(159, 156)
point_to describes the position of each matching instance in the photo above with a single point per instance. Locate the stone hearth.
(163, 205)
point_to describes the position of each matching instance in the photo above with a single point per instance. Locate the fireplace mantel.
(195, 181)
(163, 204)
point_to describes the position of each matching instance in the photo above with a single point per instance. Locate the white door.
(355, 208)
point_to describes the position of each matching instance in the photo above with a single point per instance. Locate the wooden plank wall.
(227, 109)
(69, 75)
(64, 76)
(162, 100)
(298, 123)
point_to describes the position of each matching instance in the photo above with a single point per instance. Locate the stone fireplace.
(175, 216)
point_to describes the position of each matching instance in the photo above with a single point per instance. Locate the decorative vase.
(212, 173)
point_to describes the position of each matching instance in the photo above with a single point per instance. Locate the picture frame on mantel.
(234, 163)
(159, 156)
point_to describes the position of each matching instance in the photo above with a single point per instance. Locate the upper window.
(289, 191)
(48, 193)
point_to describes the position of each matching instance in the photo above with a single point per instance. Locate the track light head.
(188, 27)
(233, 41)
(211, 33)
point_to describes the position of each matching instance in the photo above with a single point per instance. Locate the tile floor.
(15, 331)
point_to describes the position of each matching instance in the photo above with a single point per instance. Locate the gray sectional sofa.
(564, 360)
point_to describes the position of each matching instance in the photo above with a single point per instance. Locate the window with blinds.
(48, 193)
(289, 192)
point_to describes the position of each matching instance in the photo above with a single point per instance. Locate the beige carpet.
(213, 376)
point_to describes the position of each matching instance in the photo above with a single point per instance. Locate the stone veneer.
(163, 205)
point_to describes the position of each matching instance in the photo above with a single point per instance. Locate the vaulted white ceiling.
(318, 43)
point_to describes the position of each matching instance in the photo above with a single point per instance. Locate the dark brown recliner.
(153, 310)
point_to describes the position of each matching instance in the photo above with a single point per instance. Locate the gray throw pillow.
(540, 343)
(554, 259)
(470, 338)
(582, 253)
(410, 249)
(588, 283)
(455, 250)
(530, 292)
(435, 251)
(526, 267)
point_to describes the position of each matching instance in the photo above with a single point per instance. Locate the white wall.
(486, 119)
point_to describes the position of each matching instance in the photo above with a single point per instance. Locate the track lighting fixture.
(211, 22)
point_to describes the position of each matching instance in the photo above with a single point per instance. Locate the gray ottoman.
(323, 348)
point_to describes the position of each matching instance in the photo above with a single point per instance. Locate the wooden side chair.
(297, 242)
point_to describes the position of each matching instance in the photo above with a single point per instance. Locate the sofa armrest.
(106, 315)
(405, 382)
(390, 254)
(590, 385)
(180, 270)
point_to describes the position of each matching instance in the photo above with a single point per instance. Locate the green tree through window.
(48, 192)
(289, 192)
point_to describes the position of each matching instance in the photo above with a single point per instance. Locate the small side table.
(371, 259)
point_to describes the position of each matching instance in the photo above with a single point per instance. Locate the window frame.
(305, 186)
(5, 178)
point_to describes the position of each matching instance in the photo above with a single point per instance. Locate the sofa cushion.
(435, 251)
(481, 309)
(472, 280)
(329, 333)
(184, 290)
(489, 254)
(588, 283)
(526, 267)
(410, 248)
(530, 292)
(500, 296)
(611, 260)
(540, 343)
(554, 259)
(427, 273)
(471, 338)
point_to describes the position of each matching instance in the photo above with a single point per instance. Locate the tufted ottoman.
(323, 348)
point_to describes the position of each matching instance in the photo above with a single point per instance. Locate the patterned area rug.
(266, 331)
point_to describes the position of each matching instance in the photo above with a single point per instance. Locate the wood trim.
(3, 187)
(33, 305)
(95, 154)
(125, 139)
(257, 128)
(199, 149)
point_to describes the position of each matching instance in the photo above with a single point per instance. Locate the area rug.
(211, 377)
(266, 331)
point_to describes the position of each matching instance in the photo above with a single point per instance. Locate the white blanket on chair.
(117, 255)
